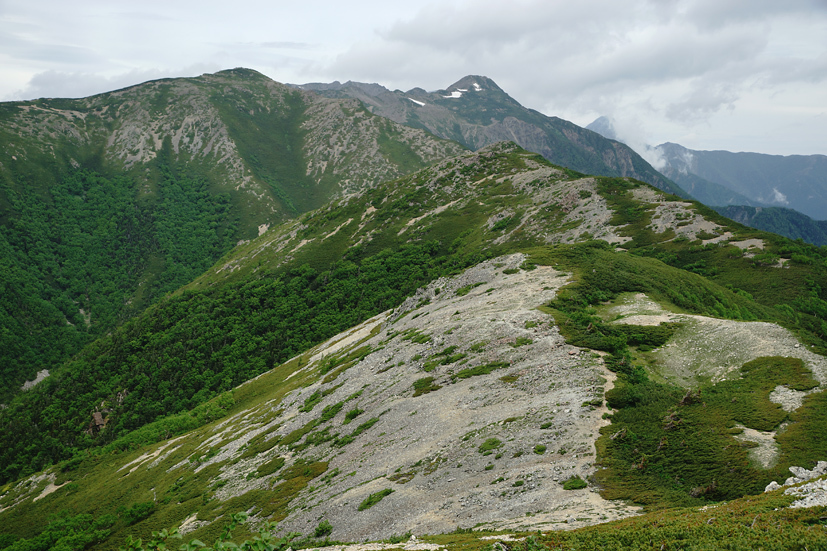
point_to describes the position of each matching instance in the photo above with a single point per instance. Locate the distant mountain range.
(787, 222)
(720, 178)
(797, 182)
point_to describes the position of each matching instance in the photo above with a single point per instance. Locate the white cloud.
(779, 197)
(78, 84)
(698, 70)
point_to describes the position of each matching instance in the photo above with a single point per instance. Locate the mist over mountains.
(721, 178)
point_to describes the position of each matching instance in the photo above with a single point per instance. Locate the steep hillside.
(493, 340)
(463, 407)
(108, 202)
(786, 222)
(476, 112)
(796, 181)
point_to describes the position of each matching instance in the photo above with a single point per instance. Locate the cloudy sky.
(741, 75)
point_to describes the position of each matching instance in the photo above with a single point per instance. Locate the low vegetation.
(176, 367)
(374, 498)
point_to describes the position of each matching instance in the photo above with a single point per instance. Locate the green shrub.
(539, 449)
(479, 370)
(488, 447)
(574, 483)
(329, 412)
(137, 512)
(462, 291)
(373, 499)
(352, 414)
(324, 529)
(424, 386)
(270, 467)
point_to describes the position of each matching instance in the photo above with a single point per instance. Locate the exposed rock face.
(41, 376)
(812, 494)
(210, 122)
(465, 402)
(476, 112)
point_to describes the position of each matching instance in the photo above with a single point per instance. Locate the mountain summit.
(476, 112)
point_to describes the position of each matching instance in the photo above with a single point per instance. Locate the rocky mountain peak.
(603, 126)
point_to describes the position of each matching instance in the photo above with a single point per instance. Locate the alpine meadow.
(249, 315)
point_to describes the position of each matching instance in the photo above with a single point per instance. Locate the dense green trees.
(90, 253)
(194, 345)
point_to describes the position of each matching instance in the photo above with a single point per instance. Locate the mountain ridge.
(157, 181)
(496, 116)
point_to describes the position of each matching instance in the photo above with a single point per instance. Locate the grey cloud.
(574, 48)
(712, 14)
(287, 45)
(24, 48)
(704, 100)
(80, 84)
(787, 70)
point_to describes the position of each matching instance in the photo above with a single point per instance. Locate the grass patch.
(574, 483)
(478, 370)
(373, 499)
(424, 386)
(488, 447)
(667, 445)
(270, 467)
(462, 291)
(352, 414)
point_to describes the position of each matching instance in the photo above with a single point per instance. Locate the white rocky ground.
(705, 348)
(427, 448)
(812, 494)
(429, 444)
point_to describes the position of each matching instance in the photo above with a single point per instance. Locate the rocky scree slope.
(459, 211)
(463, 407)
(476, 413)
(464, 401)
(499, 196)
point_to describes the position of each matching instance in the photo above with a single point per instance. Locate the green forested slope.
(311, 278)
(786, 222)
(89, 255)
(109, 202)
(235, 324)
